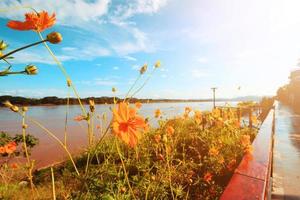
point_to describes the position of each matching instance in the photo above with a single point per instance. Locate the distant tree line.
(53, 100)
(289, 94)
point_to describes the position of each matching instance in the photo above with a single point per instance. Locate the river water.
(53, 118)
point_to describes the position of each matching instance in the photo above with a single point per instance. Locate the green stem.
(53, 185)
(61, 67)
(26, 151)
(58, 141)
(21, 48)
(7, 63)
(124, 169)
(146, 81)
(136, 80)
(169, 174)
(90, 139)
(93, 153)
(66, 119)
(5, 73)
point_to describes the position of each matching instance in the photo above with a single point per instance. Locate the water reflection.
(287, 152)
(294, 132)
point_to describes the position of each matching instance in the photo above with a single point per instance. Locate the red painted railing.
(251, 180)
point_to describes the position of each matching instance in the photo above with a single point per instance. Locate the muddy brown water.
(53, 117)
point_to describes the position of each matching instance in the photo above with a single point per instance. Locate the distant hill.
(53, 100)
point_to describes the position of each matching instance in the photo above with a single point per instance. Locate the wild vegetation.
(191, 156)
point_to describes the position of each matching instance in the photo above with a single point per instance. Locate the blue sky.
(200, 43)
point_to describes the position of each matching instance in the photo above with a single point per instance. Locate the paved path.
(286, 166)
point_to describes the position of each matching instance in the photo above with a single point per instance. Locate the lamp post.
(214, 95)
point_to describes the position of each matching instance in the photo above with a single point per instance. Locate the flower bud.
(54, 37)
(3, 45)
(11, 106)
(113, 89)
(31, 70)
(14, 108)
(143, 69)
(153, 178)
(165, 139)
(92, 105)
(69, 82)
(24, 126)
(7, 104)
(157, 64)
(123, 189)
(25, 109)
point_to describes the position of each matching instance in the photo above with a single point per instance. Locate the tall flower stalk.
(124, 169)
(29, 163)
(61, 67)
(53, 184)
(142, 71)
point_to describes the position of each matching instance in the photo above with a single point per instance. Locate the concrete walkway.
(286, 164)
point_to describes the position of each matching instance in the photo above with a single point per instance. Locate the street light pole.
(214, 95)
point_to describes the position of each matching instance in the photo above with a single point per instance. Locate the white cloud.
(135, 67)
(89, 52)
(40, 55)
(130, 58)
(115, 68)
(202, 60)
(162, 69)
(196, 73)
(138, 42)
(99, 82)
(32, 57)
(68, 12)
(139, 7)
(93, 16)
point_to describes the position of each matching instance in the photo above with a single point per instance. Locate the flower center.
(124, 126)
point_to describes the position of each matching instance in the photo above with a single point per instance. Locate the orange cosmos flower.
(138, 105)
(10, 147)
(14, 166)
(79, 118)
(216, 112)
(219, 122)
(2, 150)
(221, 160)
(213, 151)
(198, 116)
(231, 165)
(237, 124)
(185, 115)
(188, 109)
(34, 21)
(126, 124)
(157, 138)
(254, 120)
(207, 177)
(157, 113)
(248, 149)
(170, 130)
(245, 140)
